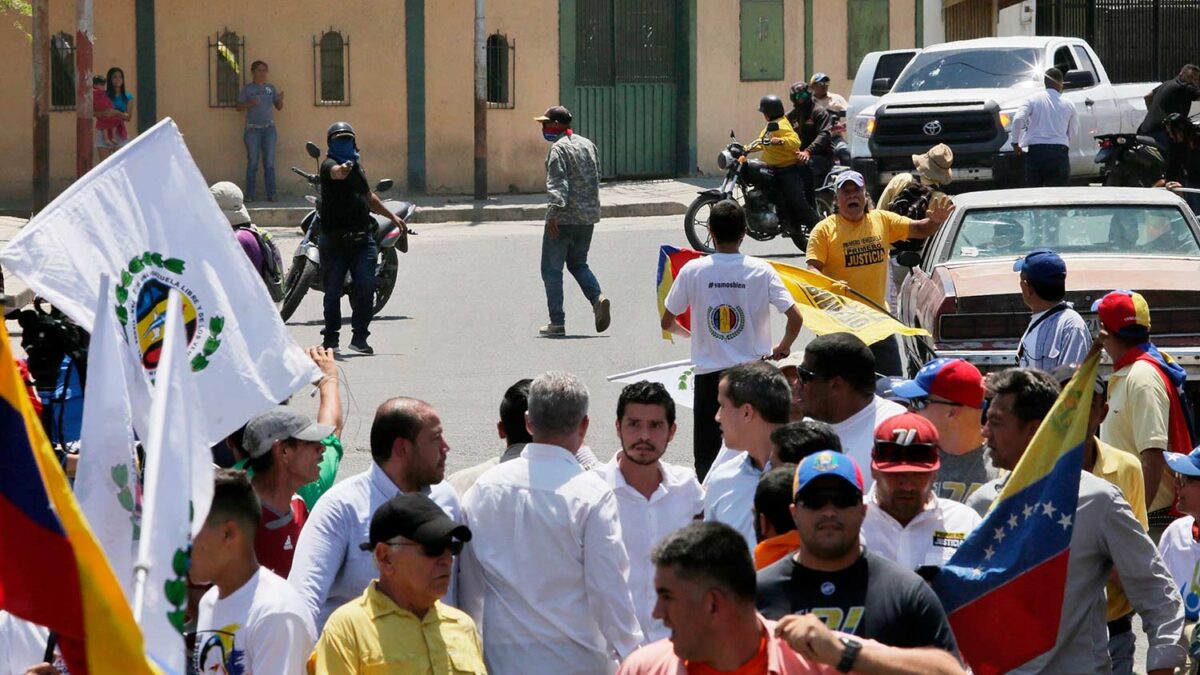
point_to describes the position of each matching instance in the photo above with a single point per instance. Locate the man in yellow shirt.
(852, 246)
(780, 149)
(399, 626)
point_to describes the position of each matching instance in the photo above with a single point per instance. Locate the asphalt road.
(462, 327)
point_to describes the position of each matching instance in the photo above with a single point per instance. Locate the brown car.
(963, 289)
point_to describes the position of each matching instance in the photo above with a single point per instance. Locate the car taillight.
(1106, 142)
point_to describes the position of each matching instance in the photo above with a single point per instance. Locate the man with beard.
(409, 454)
(830, 575)
(654, 498)
(906, 522)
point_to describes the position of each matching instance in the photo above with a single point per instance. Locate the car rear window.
(1120, 230)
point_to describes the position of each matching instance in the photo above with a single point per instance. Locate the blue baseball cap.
(1188, 465)
(827, 463)
(955, 380)
(1041, 265)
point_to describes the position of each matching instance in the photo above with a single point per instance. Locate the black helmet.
(800, 93)
(771, 106)
(339, 129)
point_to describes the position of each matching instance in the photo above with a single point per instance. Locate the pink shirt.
(659, 658)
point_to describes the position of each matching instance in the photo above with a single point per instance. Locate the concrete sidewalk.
(625, 199)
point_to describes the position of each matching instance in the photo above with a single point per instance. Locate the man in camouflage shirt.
(573, 184)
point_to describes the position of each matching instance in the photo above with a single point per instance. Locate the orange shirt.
(755, 666)
(775, 548)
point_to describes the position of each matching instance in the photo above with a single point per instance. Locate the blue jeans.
(359, 260)
(570, 248)
(1121, 651)
(260, 144)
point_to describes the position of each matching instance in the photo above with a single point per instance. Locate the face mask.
(343, 150)
(550, 135)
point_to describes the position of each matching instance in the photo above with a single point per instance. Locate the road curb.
(290, 216)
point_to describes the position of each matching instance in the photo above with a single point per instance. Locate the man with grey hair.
(546, 575)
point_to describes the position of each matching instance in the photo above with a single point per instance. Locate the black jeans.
(1047, 166)
(706, 439)
(796, 184)
(359, 259)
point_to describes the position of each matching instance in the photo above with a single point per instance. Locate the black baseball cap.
(414, 517)
(556, 113)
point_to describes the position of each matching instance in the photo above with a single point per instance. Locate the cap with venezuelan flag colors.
(1124, 313)
(827, 463)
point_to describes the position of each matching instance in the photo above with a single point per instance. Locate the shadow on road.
(321, 322)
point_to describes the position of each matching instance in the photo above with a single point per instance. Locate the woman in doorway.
(123, 104)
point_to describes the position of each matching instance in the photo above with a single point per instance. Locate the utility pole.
(481, 181)
(84, 139)
(41, 104)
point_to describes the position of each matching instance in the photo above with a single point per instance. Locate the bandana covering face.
(343, 150)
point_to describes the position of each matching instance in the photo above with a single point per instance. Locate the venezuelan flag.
(52, 571)
(670, 261)
(1014, 565)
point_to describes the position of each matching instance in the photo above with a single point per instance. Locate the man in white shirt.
(837, 385)
(409, 455)
(1056, 335)
(906, 522)
(545, 576)
(654, 498)
(754, 402)
(1042, 130)
(251, 621)
(730, 295)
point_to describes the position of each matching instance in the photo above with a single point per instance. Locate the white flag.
(179, 489)
(145, 217)
(106, 483)
(679, 377)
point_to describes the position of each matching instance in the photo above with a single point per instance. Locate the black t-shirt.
(1172, 96)
(874, 599)
(344, 203)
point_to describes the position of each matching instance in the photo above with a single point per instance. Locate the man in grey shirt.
(260, 99)
(1106, 537)
(1056, 335)
(949, 393)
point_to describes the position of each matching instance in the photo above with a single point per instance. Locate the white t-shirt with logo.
(262, 628)
(1181, 554)
(729, 294)
(857, 433)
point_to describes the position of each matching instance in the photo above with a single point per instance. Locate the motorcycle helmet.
(339, 129)
(800, 93)
(771, 106)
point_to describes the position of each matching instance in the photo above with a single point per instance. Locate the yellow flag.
(825, 311)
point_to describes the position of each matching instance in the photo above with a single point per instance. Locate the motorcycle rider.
(347, 242)
(815, 126)
(779, 149)
(834, 103)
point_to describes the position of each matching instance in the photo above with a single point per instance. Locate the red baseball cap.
(906, 442)
(1124, 313)
(955, 380)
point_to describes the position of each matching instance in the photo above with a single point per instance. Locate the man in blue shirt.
(1056, 335)
(259, 100)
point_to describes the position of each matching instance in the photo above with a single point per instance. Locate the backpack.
(272, 262)
(912, 202)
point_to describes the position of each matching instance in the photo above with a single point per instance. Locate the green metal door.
(626, 94)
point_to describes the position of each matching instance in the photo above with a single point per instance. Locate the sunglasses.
(841, 499)
(434, 550)
(806, 375)
(886, 452)
(923, 403)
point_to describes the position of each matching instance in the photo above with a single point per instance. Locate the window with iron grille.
(761, 40)
(501, 71)
(331, 54)
(62, 72)
(226, 69)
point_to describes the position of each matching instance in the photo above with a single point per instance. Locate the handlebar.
(312, 178)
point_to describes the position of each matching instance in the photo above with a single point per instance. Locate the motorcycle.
(1130, 160)
(752, 183)
(305, 272)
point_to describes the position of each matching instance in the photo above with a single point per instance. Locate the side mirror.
(312, 150)
(731, 135)
(772, 127)
(909, 259)
(1079, 79)
(881, 86)
(384, 185)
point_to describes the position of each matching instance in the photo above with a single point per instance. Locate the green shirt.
(330, 461)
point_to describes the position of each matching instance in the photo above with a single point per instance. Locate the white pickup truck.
(965, 94)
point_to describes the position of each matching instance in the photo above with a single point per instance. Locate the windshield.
(1131, 230)
(972, 69)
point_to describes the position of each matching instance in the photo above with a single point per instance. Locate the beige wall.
(114, 46)
(283, 38)
(723, 101)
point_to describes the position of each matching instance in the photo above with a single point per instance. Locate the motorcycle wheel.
(696, 228)
(826, 205)
(385, 280)
(295, 285)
